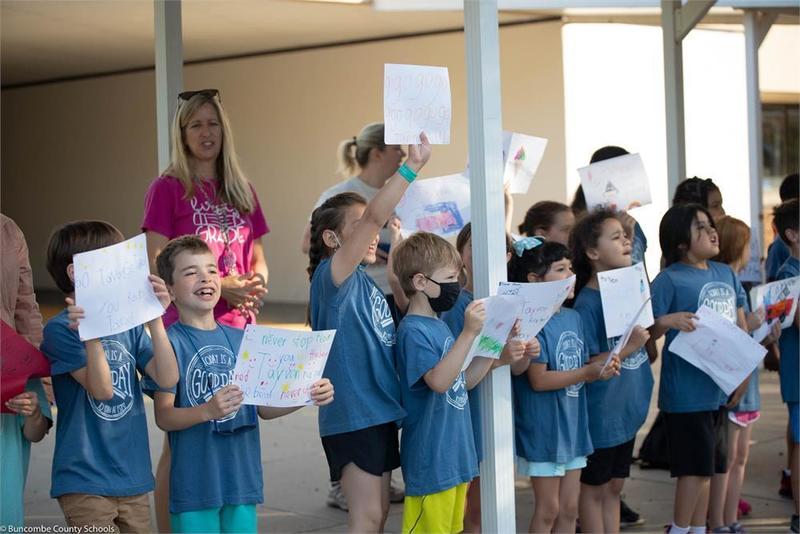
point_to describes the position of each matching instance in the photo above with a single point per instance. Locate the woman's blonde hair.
(354, 152)
(234, 188)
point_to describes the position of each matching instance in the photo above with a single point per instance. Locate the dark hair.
(465, 235)
(578, 204)
(536, 260)
(74, 238)
(786, 218)
(541, 215)
(675, 231)
(789, 187)
(165, 261)
(585, 235)
(694, 191)
(328, 216)
(608, 152)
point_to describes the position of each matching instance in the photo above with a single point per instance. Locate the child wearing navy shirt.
(101, 466)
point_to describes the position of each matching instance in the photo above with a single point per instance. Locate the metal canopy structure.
(484, 123)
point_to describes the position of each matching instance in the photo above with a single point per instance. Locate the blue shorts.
(794, 420)
(228, 518)
(548, 469)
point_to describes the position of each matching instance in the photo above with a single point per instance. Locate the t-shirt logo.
(569, 356)
(632, 362)
(457, 394)
(210, 369)
(123, 367)
(720, 297)
(382, 321)
(210, 220)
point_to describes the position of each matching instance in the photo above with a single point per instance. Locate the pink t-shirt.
(168, 213)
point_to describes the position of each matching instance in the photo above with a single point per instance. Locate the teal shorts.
(548, 469)
(229, 518)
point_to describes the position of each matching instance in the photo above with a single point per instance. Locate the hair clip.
(526, 243)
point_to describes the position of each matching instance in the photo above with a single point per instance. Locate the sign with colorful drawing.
(623, 291)
(416, 99)
(522, 155)
(541, 301)
(438, 205)
(502, 311)
(277, 367)
(113, 288)
(779, 300)
(619, 184)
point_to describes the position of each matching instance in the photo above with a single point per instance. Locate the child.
(617, 407)
(550, 414)
(724, 504)
(438, 450)
(215, 473)
(454, 318)
(786, 221)
(101, 464)
(548, 219)
(778, 252)
(693, 405)
(359, 430)
(29, 417)
(702, 191)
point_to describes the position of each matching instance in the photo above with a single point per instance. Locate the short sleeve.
(741, 294)
(582, 329)
(63, 348)
(663, 293)
(257, 220)
(420, 356)
(544, 349)
(159, 207)
(587, 315)
(144, 348)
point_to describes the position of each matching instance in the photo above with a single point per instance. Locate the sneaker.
(744, 508)
(795, 525)
(396, 493)
(737, 527)
(786, 485)
(336, 498)
(627, 517)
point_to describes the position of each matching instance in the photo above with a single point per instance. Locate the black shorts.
(604, 464)
(697, 443)
(375, 450)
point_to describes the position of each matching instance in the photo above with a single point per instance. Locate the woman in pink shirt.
(204, 192)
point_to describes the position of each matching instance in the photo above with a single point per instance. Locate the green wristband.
(406, 172)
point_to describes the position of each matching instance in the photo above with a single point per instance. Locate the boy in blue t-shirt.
(437, 450)
(215, 473)
(101, 465)
(786, 221)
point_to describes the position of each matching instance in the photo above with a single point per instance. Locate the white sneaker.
(336, 498)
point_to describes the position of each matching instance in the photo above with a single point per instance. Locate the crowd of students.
(404, 390)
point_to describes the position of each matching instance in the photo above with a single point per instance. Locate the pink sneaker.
(744, 508)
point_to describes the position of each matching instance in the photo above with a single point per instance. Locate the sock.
(697, 530)
(675, 529)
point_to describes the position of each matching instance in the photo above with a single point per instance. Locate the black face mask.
(448, 295)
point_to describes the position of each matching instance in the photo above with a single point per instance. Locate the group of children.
(577, 409)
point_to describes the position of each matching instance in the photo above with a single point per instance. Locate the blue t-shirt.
(618, 406)
(217, 462)
(777, 253)
(553, 426)
(437, 449)
(639, 246)
(454, 318)
(683, 288)
(361, 361)
(790, 351)
(101, 446)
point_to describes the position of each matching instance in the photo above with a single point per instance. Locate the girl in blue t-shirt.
(694, 406)
(550, 415)
(359, 429)
(617, 407)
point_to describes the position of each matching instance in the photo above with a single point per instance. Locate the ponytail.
(354, 153)
(329, 215)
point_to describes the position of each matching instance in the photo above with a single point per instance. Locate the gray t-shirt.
(376, 271)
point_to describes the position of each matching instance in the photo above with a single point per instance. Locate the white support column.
(677, 21)
(481, 34)
(756, 26)
(169, 71)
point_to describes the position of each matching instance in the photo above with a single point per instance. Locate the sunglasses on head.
(211, 93)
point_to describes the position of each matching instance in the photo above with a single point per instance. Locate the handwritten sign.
(541, 300)
(112, 287)
(623, 291)
(719, 348)
(522, 155)
(416, 99)
(618, 183)
(277, 367)
(502, 311)
(622, 341)
(19, 361)
(779, 300)
(437, 205)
